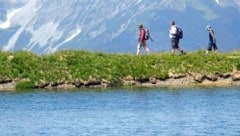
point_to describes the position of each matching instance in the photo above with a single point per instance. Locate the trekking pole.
(151, 39)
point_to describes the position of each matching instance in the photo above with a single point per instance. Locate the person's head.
(140, 26)
(208, 27)
(172, 23)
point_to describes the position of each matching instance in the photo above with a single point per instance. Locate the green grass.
(70, 65)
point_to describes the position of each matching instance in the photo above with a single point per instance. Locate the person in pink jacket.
(142, 40)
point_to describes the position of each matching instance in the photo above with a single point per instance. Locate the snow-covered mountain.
(45, 26)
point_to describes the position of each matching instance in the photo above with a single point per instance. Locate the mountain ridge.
(111, 26)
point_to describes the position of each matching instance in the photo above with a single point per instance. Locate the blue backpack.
(147, 35)
(179, 33)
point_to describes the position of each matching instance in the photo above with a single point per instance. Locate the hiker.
(141, 39)
(212, 40)
(175, 35)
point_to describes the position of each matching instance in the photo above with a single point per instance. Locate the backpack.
(179, 33)
(147, 34)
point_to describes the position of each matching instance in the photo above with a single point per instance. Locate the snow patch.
(71, 37)
(10, 15)
(98, 32)
(23, 17)
(44, 34)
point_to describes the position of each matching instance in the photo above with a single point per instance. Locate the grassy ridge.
(71, 65)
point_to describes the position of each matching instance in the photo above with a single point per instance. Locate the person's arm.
(213, 36)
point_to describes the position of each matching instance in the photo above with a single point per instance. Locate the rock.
(61, 81)
(128, 78)
(199, 78)
(18, 80)
(153, 80)
(92, 82)
(177, 76)
(78, 83)
(142, 80)
(212, 77)
(129, 82)
(42, 84)
(236, 76)
(105, 83)
(54, 84)
(224, 75)
(4, 81)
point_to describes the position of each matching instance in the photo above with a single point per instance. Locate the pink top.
(141, 35)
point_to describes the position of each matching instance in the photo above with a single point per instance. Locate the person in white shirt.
(173, 34)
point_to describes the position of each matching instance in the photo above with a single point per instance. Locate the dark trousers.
(211, 46)
(175, 43)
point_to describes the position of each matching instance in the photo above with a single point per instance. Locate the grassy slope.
(70, 65)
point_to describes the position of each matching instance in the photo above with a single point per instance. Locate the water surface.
(121, 112)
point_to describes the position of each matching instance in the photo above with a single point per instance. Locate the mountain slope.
(45, 26)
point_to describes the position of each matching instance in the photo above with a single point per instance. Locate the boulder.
(4, 81)
(129, 82)
(92, 82)
(212, 77)
(54, 84)
(105, 83)
(142, 80)
(61, 81)
(128, 78)
(41, 84)
(199, 78)
(153, 80)
(224, 75)
(78, 83)
(177, 76)
(236, 76)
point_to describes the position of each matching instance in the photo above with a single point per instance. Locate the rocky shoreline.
(188, 80)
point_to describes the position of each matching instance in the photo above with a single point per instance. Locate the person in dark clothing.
(212, 40)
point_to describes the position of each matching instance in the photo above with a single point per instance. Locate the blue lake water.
(150, 112)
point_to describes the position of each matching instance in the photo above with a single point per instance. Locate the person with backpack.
(142, 39)
(175, 34)
(212, 40)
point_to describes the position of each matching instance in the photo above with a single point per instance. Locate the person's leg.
(209, 48)
(215, 47)
(173, 51)
(146, 48)
(174, 45)
(138, 48)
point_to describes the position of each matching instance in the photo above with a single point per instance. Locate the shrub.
(25, 85)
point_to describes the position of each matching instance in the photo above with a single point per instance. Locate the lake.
(149, 112)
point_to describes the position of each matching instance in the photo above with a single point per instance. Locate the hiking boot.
(183, 52)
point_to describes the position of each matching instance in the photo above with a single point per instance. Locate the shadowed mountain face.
(44, 26)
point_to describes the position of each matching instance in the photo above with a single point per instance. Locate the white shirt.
(173, 31)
